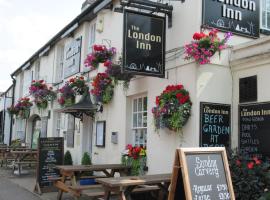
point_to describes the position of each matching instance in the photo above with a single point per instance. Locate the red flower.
(238, 163)
(250, 165)
(184, 99)
(82, 78)
(71, 80)
(157, 100)
(213, 32)
(41, 81)
(257, 161)
(198, 36)
(107, 63)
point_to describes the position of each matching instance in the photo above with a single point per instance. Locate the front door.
(36, 131)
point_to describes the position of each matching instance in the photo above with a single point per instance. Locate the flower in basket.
(42, 93)
(172, 108)
(78, 84)
(12, 110)
(100, 54)
(67, 95)
(22, 108)
(135, 157)
(204, 46)
(102, 88)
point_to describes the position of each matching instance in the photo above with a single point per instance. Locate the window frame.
(264, 29)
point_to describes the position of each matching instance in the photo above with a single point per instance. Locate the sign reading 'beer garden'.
(144, 44)
(238, 16)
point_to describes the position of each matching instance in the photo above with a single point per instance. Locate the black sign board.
(254, 129)
(238, 16)
(144, 44)
(204, 172)
(50, 154)
(215, 130)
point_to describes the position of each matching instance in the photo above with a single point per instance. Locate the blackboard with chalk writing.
(254, 129)
(215, 125)
(205, 174)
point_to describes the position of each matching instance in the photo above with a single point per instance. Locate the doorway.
(87, 134)
(36, 131)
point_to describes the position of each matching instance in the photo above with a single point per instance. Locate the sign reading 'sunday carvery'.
(144, 44)
(238, 16)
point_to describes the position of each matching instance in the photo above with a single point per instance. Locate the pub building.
(230, 103)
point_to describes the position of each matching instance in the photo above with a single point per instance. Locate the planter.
(88, 181)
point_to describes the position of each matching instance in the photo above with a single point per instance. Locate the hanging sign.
(72, 57)
(254, 126)
(201, 173)
(215, 129)
(144, 44)
(238, 16)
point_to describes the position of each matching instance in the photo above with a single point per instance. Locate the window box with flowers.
(173, 107)
(21, 108)
(204, 46)
(100, 54)
(135, 157)
(42, 93)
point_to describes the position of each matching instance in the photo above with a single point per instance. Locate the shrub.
(86, 160)
(68, 158)
(250, 177)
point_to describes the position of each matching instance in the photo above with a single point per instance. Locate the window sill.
(265, 32)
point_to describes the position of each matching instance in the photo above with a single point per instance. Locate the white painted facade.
(216, 82)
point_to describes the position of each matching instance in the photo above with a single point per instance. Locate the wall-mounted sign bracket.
(147, 6)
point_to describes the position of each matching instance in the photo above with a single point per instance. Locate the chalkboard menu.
(215, 129)
(50, 154)
(205, 174)
(254, 129)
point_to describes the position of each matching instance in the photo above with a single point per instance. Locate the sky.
(25, 26)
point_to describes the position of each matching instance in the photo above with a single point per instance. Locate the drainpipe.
(4, 118)
(11, 118)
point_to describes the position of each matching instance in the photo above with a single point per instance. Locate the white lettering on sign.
(200, 189)
(206, 167)
(235, 14)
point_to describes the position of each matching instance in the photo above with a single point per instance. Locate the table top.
(23, 152)
(78, 168)
(134, 180)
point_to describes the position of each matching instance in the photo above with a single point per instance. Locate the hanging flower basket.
(21, 108)
(78, 84)
(204, 46)
(172, 108)
(135, 157)
(41, 93)
(67, 95)
(100, 54)
(102, 88)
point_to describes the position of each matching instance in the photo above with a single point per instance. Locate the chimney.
(86, 4)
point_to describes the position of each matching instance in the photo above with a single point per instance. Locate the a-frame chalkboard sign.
(50, 154)
(201, 173)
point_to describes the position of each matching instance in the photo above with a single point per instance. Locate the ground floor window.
(139, 121)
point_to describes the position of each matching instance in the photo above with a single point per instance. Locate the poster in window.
(144, 44)
(100, 133)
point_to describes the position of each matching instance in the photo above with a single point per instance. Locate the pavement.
(14, 187)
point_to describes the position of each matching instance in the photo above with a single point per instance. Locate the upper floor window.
(265, 15)
(92, 36)
(27, 79)
(37, 70)
(59, 64)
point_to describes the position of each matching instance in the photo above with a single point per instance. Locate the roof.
(86, 15)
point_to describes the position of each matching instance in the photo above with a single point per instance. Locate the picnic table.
(25, 157)
(124, 186)
(72, 172)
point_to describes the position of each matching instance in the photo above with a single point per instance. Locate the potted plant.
(86, 179)
(68, 158)
(135, 157)
(21, 108)
(67, 95)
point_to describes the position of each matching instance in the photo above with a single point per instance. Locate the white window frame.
(92, 36)
(139, 129)
(264, 8)
(37, 70)
(59, 71)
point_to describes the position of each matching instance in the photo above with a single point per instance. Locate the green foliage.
(251, 177)
(68, 158)
(86, 160)
(137, 165)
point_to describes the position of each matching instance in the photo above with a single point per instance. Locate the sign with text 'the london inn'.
(241, 17)
(144, 44)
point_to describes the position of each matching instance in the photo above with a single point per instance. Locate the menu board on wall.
(50, 154)
(254, 129)
(215, 129)
(204, 172)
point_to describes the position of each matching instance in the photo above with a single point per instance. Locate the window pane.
(135, 105)
(264, 19)
(268, 20)
(140, 104)
(145, 119)
(139, 120)
(268, 5)
(145, 103)
(135, 121)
